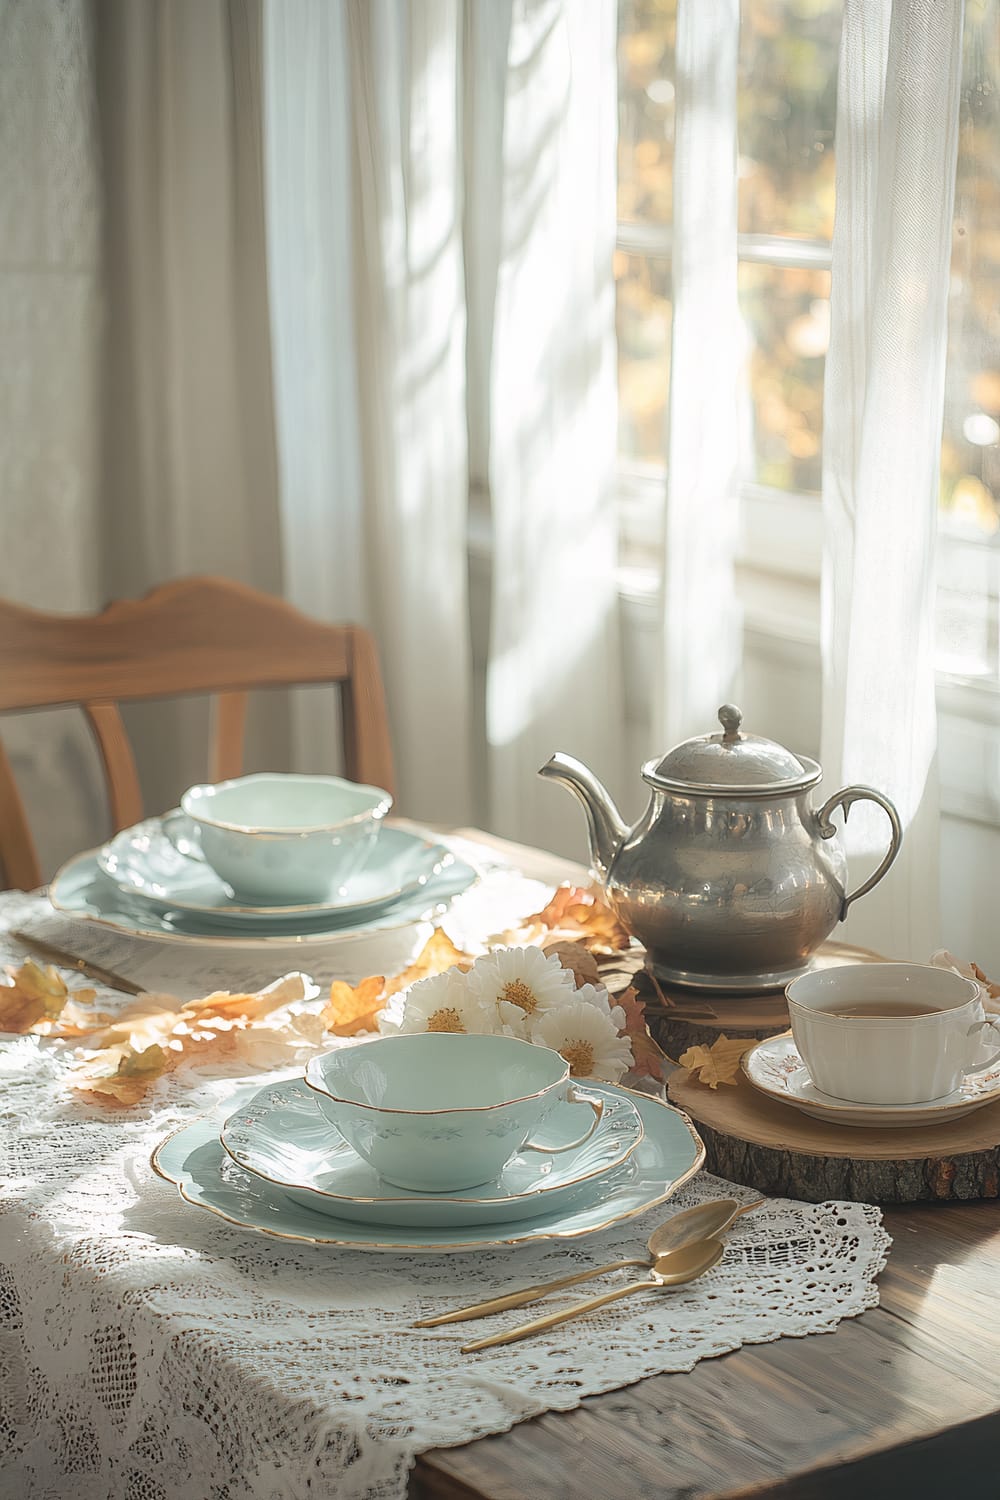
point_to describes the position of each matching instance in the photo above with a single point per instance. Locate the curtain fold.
(190, 474)
(393, 132)
(51, 310)
(368, 311)
(700, 620)
(896, 144)
(554, 670)
(308, 176)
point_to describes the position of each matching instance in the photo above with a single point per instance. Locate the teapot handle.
(844, 799)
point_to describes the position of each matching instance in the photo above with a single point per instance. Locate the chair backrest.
(194, 635)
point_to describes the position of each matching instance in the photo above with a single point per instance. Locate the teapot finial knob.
(730, 717)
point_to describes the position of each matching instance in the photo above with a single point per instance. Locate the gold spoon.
(675, 1269)
(704, 1221)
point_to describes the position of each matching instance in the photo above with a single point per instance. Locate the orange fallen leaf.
(267, 1047)
(120, 1075)
(245, 1006)
(649, 1058)
(354, 1008)
(717, 1064)
(573, 914)
(992, 989)
(437, 954)
(34, 996)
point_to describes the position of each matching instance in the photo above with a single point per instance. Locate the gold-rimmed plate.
(776, 1069)
(83, 891)
(158, 863)
(669, 1154)
(283, 1137)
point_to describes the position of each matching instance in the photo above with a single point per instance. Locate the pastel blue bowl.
(276, 838)
(439, 1111)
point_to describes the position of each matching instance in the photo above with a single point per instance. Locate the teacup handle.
(994, 1022)
(845, 799)
(574, 1096)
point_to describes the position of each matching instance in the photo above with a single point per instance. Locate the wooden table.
(904, 1400)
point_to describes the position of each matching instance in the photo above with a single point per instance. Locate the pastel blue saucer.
(159, 862)
(283, 1136)
(669, 1154)
(83, 891)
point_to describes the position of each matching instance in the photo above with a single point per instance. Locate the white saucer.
(669, 1154)
(283, 1137)
(775, 1068)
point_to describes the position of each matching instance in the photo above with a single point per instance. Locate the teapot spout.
(605, 829)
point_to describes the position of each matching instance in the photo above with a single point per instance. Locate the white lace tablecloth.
(149, 1351)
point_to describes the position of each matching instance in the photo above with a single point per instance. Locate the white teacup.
(440, 1111)
(892, 1033)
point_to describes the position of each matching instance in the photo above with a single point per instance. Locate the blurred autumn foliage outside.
(786, 112)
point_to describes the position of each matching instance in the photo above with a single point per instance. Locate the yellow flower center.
(580, 1056)
(519, 993)
(446, 1019)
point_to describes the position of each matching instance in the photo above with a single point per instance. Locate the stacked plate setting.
(278, 1167)
(152, 881)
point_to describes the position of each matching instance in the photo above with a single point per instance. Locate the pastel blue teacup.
(440, 1111)
(280, 839)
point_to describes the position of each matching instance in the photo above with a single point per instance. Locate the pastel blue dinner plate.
(158, 862)
(283, 1136)
(82, 890)
(669, 1154)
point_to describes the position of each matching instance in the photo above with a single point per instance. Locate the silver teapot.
(730, 879)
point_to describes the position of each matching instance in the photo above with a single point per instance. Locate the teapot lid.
(731, 762)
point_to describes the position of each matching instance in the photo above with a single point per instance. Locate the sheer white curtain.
(368, 313)
(136, 436)
(50, 375)
(190, 475)
(896, 145)
(701, 630)
(554, 670)
(431, 164)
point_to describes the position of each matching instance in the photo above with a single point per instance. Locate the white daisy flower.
(587, 1039)
(446, 1002)
(520, 984)
(596, 995)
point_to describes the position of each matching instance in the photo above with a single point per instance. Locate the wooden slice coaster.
(770, 1146)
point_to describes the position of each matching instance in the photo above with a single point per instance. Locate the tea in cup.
(892, 1033)
(440, 1111)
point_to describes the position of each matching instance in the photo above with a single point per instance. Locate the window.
(786, 113)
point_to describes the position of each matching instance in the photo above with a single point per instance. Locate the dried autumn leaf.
(146, 1021)
(354, 1008)
(120, 1075)
(717, 1064)
(578, 959)
(992, 989)
(248, 1007)
(649, 1058)
(282, 1045)
(156, 1033)
(33, 995)
(573, 914)
(79, 1020)
(437, 954)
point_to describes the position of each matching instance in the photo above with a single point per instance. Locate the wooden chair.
(194, 635)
